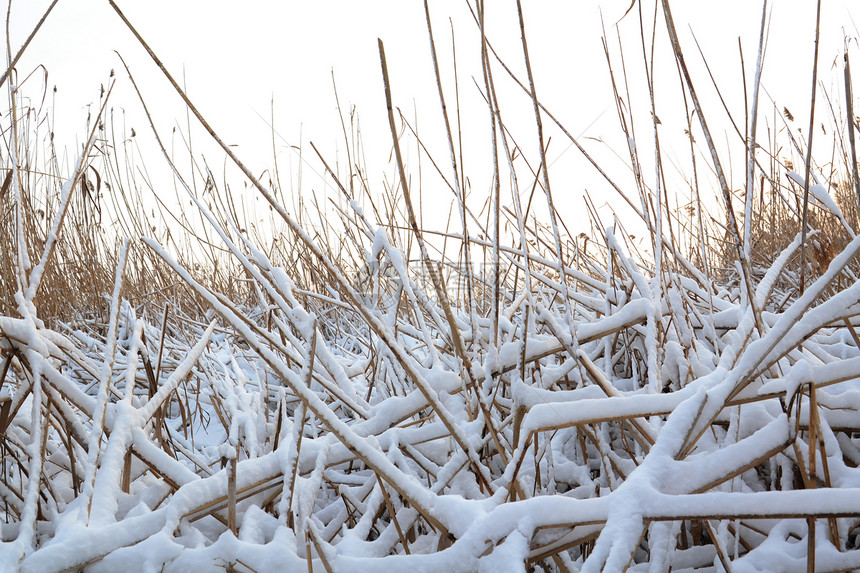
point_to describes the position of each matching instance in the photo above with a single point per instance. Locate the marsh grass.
(356, 368)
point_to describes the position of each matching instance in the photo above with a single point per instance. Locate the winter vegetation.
(366, 392)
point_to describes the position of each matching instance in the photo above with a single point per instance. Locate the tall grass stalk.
(808, 163)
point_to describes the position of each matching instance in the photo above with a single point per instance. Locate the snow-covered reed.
(339, 409)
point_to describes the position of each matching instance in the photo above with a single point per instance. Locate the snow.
(822, 197)
(622, 405)
(691, 453)
(818, 193)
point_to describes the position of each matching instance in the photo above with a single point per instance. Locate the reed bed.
(362, 398)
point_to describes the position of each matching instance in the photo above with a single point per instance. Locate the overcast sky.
(238, 63)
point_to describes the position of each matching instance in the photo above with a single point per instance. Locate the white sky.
(236, 61)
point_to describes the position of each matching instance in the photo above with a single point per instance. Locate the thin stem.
(808, 166)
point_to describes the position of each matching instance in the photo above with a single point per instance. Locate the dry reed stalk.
(212, 505)
(298, 435)
(724, 187)
(393, 514)
(94, 446)
(459, 192)
(849, 112)
(751, 145)
(323, 559)
(453, 329)
(489, 88)
(808, 162)
(14, 61)
(520, 219)
(232, 467)
(161, 346)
